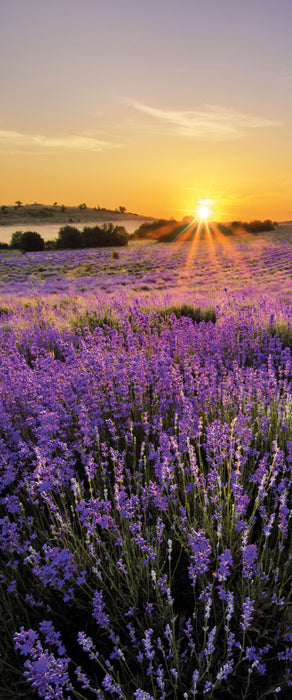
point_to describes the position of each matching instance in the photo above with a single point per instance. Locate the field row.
(231, 264)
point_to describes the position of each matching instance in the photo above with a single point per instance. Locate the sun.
(203, 210)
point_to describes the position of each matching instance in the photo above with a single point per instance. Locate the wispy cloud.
(18, 141)
(210, 122)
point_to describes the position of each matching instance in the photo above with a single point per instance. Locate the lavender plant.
(145, 526)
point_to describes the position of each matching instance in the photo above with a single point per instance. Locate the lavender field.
(146, 459)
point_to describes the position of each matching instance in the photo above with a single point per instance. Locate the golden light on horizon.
(204, 209)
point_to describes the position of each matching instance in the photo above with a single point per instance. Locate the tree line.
(170, 230)
(70, 237)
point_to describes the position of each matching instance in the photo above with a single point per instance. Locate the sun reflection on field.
(201, 233)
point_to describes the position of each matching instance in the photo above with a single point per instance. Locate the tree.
(69, 237)
(92, 236)
(108, 228)
(31, 241)
(15, 240)
(82, 206)
(18, 203)
(122, 209)
(120, 236)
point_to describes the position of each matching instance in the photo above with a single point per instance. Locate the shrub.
(94, 320)
(150, 229)
(50, 245)
(255, 226)
(69, 237)
(31, 241)
(91, 236)
(259, 226)
(104, 236)
(119, 236)
(195, 313)
(283, 332)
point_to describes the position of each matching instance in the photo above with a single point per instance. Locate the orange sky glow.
(154, 106)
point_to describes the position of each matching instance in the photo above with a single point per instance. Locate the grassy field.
(145, 492)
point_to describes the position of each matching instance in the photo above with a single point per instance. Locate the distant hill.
(59, 214)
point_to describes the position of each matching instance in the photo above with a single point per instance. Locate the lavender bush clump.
(145, 495)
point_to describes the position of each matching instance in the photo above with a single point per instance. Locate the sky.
(154, 105)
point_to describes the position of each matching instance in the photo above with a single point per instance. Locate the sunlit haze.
(155, 106)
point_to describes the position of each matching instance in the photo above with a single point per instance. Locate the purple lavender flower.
(142, 695)
(58, 567)
(200, 554)
(249, 556)
(229, 605)
(12, 586)
(45, 673)
(208, 687)
(116, 437)
(247, 614)
(160, 679)
(111, 686)
(210, 647)
(48, 675)
(149, 651)
(195, 679)
(99, 615)
(225, 670)
(51, 636)
(25, 640)
(225, 562)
